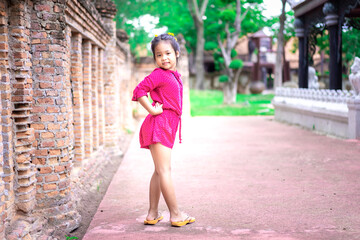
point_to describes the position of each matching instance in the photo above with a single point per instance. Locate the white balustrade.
(335, 112)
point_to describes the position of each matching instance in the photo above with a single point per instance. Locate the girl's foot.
(185, 219)
(150, 220)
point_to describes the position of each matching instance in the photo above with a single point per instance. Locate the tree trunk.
(227, 92)
(230, 89)
(197, 15)
(199, 60)
(280, 48)
(234, 91)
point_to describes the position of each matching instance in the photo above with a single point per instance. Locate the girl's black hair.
(165, 37)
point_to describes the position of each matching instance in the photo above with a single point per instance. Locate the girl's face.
(165, 56)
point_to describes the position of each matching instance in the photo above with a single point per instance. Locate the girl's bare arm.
(153, 110)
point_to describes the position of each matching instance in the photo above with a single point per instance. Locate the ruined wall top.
(122, 35)
(100, 9)
(106, 8)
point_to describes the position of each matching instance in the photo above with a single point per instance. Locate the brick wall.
(58, 65)
(7, 199)
(2, 187)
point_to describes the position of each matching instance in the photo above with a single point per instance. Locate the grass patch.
(210, 103)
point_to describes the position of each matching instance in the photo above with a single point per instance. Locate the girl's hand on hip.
(157, 109)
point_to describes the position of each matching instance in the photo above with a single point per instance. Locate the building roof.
(259, 34)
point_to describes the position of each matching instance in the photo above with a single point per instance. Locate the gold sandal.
(155, 221)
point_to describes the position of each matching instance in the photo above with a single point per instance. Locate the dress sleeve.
(144, 87)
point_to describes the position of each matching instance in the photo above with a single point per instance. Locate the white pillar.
(354, 117)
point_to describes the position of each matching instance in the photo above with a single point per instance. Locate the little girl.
(159, 128)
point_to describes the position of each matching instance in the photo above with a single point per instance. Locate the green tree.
(176, 16)
(350, 47)
(350, 43)
(234, 19)
(125, 19)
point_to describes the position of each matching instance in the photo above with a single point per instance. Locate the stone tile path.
(242, 178)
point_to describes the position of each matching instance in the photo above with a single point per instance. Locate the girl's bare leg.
(154, 196)
(162, 160)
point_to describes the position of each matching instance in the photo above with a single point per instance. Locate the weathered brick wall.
(8, 199)
(2, 187)
(58, 62)
(125, 86)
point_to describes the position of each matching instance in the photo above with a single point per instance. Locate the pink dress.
(165, 87)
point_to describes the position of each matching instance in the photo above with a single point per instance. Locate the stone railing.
(323, 95)
(334, 112)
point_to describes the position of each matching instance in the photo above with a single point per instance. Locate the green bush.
(210, 46)
(228, 15)
(223, 78)
(233, 53)
(236, 64)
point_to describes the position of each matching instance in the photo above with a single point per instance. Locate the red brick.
(46, 101)
(60, 143)
(61, 134)
(45, 170)
(45, 78)
(52, 26)
(63, 184)
(38, 93)
(53, 126)
(41, 152)
(56, 48)
(45, 41)
(50, 70)
(54, 152)
(57, 9)
(22, 158)
(20, 54)
(39, 161)
(37, 69)
(46, 8)
(65, 159)
(52, 194)
(47, 135)
(4, 46)
(4, 30)
(21, 99)
(45, 85)
(41, 47)
(51, 178)
(39, 35)
(52, 93)
(48, 144)
(35, 26)
(4, 38)
(38, 109)
(51, 186)
(47, 118)
(59, 168)
(53, 109)
(59, 63)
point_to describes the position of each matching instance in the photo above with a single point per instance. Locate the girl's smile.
(165, 56)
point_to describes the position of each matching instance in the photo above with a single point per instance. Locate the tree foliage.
(350, 43)
(175, 15)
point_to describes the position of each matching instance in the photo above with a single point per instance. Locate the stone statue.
(355, 75)
(313, 79)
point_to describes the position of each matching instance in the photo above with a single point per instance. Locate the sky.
(273, 8)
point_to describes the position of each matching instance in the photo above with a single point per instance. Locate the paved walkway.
(242, 178)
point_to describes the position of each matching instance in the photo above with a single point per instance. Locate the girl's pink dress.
(165, 87)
